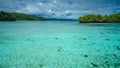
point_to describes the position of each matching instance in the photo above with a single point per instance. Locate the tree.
(97, 18)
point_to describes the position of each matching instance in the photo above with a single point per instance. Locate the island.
(97, 18)
(13, 16)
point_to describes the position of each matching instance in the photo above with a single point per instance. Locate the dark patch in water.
(94, 65)
(117, 47)
(98, 50)
(6, 38)
(101, 33)
(88, 45)
(85, 55)
(106, 50)
(30, 40)
(75, 42)
(93, 43)
(107, 39)
(106, 62)
(118, 39)
(84, 38)
(107, 55)
(41, 45)
(56, 38)
(59, 49)
(117, 65)
(1, 32)
(41, 65)
(3, 66)
(2, 42)
(114, 55)
(74, 36)
(89, 36)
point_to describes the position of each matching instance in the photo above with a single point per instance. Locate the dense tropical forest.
(97, 18)
(12, 16)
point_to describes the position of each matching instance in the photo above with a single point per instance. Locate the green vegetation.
(96, 18)
(12, 16)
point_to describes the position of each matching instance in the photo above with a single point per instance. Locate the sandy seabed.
(59, 44)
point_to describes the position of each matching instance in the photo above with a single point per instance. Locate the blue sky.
(71, 9)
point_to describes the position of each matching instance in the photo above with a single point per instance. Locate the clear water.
(59, 44)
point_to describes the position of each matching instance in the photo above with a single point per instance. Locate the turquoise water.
(59, 44)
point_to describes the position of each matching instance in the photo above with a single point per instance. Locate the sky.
(65, 9)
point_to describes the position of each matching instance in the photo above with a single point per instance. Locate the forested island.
(13, 16)
(97, 18)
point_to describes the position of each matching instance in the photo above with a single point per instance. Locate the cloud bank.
(61, 8)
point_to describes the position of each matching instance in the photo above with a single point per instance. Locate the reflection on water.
(59, 44)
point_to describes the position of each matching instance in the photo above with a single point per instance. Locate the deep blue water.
(59, 44)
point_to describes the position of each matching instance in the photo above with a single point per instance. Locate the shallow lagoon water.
(59, 44)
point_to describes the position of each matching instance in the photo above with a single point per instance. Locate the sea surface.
(59, 44)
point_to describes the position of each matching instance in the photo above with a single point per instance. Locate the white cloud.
(40, 3)
(67, 8)
(30, 8)
(54, 1)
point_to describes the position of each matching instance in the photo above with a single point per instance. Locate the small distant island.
(59, 19)
(97, 18)
(13, 16)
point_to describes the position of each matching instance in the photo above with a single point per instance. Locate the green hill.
(96, 18)
(12, 16)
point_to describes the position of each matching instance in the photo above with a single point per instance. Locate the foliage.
(96, 18)
(11, 16)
